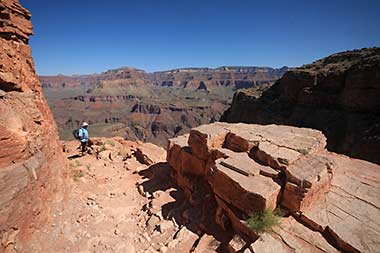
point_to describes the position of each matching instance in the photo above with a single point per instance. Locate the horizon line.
(163, 70)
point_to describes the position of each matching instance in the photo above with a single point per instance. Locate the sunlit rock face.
(30, 154)
(230, 171)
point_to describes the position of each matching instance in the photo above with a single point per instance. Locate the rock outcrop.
(337, 95)
(231, 171)
(30, 155)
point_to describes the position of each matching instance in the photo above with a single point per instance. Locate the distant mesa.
(191, 78)
(149, 106)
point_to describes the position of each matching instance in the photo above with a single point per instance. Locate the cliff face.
(30, 154)
(338, 95)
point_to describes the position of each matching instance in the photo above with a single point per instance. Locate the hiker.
(83, 137)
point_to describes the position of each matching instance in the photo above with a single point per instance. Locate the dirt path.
(116, 205)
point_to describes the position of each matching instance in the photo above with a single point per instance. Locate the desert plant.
(265, 221)
(123, 152)
(101, 148)
(303, 151)
(110, 142)
(77, 174)
(75, 164)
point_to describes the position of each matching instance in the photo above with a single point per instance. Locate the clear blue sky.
(88, 36)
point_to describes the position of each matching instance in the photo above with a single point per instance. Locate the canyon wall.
(236, 77)
(148, 106)
(30, 155)
(338, 95)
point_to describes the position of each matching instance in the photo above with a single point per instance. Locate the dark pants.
(84, 145)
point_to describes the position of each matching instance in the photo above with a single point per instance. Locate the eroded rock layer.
(30, 154)
(234, 170)
(338, 95)
(150, 107)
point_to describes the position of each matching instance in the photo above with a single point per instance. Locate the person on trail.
(83, 137)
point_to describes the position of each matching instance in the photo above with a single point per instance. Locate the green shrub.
(75, 164)
(264, 222)
(303, 151)
(101, 148)
(123, 152)
(110, 142)
(77, 174)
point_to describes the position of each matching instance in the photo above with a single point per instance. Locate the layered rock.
(237, 77)
(146, 108)
(187, 78)
(111, 78)
(149, 107)
(30, 154)
(337, 95)
(252, 168)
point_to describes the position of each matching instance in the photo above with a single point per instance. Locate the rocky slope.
(338, 95)
(31, 159)
(124, 197)
(329, 202)
(148, 106)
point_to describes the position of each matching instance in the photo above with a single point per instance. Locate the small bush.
(75, 164)
(77, 175)
(264, 222)
(101, 148)
(123, 152)
(110, 142)
(303, 151)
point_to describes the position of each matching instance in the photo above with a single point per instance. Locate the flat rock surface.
(291, 236)
(351, 208)
(248, 193)
(243, 164)
(254, 167)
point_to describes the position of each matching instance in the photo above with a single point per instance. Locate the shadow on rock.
(196, 214)
(158, 176)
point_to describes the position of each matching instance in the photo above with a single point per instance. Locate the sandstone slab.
(291, 236)
(248, 193)
(350, 210)
(148, 154)
(174, 150)
(308, 181)
(204, 138)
